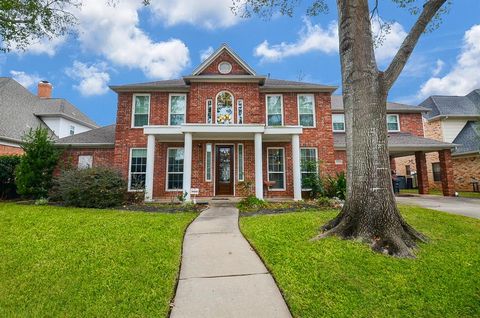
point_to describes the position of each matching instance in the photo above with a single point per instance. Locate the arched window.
(224, 108)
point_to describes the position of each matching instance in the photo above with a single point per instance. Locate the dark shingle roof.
(465, 106)
(269, 83)
(468, 139)
(400, 140)
(20, 110)
(99, 136)
(337, 106)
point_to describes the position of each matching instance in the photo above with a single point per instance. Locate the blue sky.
(129, 43)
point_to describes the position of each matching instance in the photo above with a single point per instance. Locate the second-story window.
(177, 107)
(393, 123)
(338, 122)
(141, 110)
(209, 111)
(240, 111)
(306, 110)
(72, 130)
(274, 110)
(224, 108)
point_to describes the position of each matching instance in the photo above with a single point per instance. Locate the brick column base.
(446, 168)
(422, 173)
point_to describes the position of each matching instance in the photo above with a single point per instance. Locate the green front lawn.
(464, 194)
(341, 278)
(82, 263)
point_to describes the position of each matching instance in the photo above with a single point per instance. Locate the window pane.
(224, 108)
(278, 179)
(305, 104)
(175, 181)
(240, 111)
(177, 104)
(240, 163)
(392, 122)
(306, 120)
(141, 104)
(138, 169)
(209, 112)
(274, 120)
(392, 126)
(176, 119)
(137, 181)
(338, 122)
(274, 104)
(140, 120)
(139, 153)
(175, 169)
(208, 164)
(338, 126)
(275, 160)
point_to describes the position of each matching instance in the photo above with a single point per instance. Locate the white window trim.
(233, 107)
(170, 104)
(266, 108)
(130, 169)
(91, 162)
(240, 100)
(133, 110)
(211, 162)
(206, 110)
(338, 130)
(243, 161)
(284, 170)
(316, 166)
(398, 122)
(314, 113)
(166, 170)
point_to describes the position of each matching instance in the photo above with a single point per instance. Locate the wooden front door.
(224, 170)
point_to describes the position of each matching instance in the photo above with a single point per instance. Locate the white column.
(187, 166)
(297, 176)
(149, 169)
(258, 166)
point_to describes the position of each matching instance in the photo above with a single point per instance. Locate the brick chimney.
(44, 89)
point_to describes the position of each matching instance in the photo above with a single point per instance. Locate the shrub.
(251, 203)
(312, 180)
(92, 188)
(34, 174)
(336, 186)
(8, 189)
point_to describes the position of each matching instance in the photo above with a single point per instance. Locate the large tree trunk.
(370, 212)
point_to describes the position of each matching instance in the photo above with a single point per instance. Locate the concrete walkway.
(462, 206)
(221, 276)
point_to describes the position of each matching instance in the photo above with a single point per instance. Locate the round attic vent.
(224, 67)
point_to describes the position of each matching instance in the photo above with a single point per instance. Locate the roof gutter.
(149, 88)
(453, 116)
(78, 121)
(468, 153)
(299, 88)
(86, 145)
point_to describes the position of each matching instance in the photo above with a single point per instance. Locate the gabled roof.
(103, 136)
(20, 110)
(337, 106)
(220, 50)
(468, 139)
(453, 106)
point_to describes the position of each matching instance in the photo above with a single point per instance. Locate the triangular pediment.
(224, 56)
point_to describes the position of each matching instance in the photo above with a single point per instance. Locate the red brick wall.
(102, 157)
(237, 69)
(9, 150)
(341, 155)
(412, 123)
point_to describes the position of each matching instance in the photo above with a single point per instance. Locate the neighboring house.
(453, 119)
(223, 125)
(20, 111)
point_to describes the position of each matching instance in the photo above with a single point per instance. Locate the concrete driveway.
(462, 206)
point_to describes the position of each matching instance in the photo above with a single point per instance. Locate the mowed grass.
(83, 263)
(462, 194)
(342, 278)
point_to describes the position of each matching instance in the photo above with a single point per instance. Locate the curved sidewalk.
(221, 276)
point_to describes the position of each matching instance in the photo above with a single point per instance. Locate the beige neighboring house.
(454, 119)
(21, 111)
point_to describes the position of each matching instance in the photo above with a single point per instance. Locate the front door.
(224, 170)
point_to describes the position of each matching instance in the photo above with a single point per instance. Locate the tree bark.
(370, 212)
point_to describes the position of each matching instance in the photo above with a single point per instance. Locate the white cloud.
(205, 54)
(93, 79)
(438, 67)
(312, 37)
(26, 80)
(114, 33)
(41, 46)
(210, 14)
(464, 75)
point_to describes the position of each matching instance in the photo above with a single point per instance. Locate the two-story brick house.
(224, 125)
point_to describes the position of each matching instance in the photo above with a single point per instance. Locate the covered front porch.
(223, 140)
